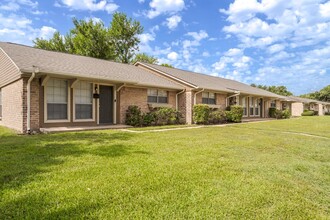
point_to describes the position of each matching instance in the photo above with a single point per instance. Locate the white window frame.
(74, 106)
(251, 105)
(208, 98)
(244, 106)
(68, 105)
(167, 96)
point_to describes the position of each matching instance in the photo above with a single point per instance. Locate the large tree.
(322, 95)
(280, 90)
(145, 58)
(89, 38)
(124, 36)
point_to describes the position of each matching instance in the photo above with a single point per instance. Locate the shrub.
(316, 112)
(271, 112)
(286, 113)
(133, 116)
(326, 113)
(148, 118)
(307, 113)
(217, 117)
(201, 114)
(166, 115)
(235, 114)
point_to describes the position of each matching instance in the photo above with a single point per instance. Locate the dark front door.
(261, 108)
(106, 104)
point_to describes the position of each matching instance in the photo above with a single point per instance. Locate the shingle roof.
(211, 82)
(26, 57)
(305, 100)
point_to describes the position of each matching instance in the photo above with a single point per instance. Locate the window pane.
(162, 99)
(162, 93)
(205, 100)
(257, 111)
(212, 101)
(57, 111)
(84, 111)
(152, 92)
(244, 111)
(251, 111)
(152, 99)
(212, 95)
(205, 94)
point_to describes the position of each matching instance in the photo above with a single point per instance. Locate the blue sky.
(269, 42)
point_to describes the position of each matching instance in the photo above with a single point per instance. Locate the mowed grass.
(245, 171)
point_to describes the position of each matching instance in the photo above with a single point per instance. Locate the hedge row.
(161, 116)
(203, 114)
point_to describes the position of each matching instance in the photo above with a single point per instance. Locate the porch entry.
(106, 105)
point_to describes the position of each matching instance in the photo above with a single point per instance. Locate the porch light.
(96, 95)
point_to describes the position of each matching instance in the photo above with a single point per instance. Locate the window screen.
(57, 99)
(84, 100)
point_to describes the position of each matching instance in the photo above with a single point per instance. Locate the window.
(157, 96)
(243, 103)
(57, 99)
(256, 106)
(83, 96)
(208, 98)
(251, 105)
(284, 106)
(273, 104)
(0, 104)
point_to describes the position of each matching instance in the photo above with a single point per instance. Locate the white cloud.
(325, 9)
(91, 5)
(46, 32)
(276, 48)
(141, 1)
(172, 56)
(159, 7)
(172, 22)
(10, 6)
(198, 36)
(19, 29)
(205, 54)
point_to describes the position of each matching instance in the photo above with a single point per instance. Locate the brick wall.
(12, 105)
(138, 96)
(297, 108)
(220, 100)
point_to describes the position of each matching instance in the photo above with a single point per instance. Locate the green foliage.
(308, 113)
(235, 114)
(167, 65)
(217, 117)
(286, 114)
(271, 112)
(326, 113)
(124, 36)
(134, 116)
(229, 172)
(280, 90)
(316, 112)
(166, 116)
(201, 114)
(145, 58)
(322, 95)
(57, 43)
(279, 114)
(89, 38)
(160, 116)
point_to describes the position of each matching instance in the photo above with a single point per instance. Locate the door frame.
(114, 102)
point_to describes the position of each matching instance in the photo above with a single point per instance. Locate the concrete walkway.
(82, 128)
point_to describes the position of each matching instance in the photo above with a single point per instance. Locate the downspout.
(28, 89)
(237, 94)
(196, 95)
(177, 101)
(120, 87)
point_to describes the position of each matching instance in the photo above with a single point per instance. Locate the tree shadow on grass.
(23, 158)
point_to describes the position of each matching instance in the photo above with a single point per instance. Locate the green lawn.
(243, 171)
